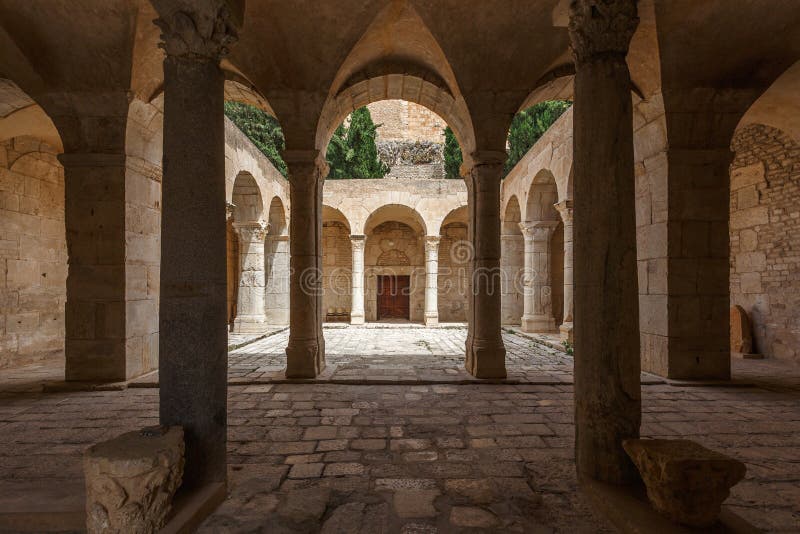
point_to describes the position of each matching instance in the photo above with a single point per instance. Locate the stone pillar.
(277, 273)
(250, 305)
(607, 366)
(357, 243)
(538, 305)
(305, 354)
(193, 333)
(485, 353)
(432, 280)
(95, 223)
(565, 210)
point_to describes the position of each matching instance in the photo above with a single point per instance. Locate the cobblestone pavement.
(392, 354)
(413, 459)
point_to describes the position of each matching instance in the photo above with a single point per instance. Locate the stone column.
(607, 367)
(193, 333)
(305, 354)
(277, 270)
(485, 353)
(357, 243)
(432, 280)
(538, 306)
(250, 305)
(565, 210)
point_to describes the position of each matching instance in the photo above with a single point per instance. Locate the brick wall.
(400, 120)
(33, 252)
(337, 267)
(452, 280)
(765, 237)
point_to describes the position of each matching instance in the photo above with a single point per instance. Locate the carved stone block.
(131, 480)
(685, 481)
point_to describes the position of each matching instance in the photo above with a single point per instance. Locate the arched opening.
(337, 265)
(454, 255)
(276, 261)
(764, 224)
(249, 231)
(512, 263)
(394, 264)
(544, 256)
(33, 253)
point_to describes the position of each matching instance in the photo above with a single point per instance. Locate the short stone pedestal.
(685, 481)
(131, 480)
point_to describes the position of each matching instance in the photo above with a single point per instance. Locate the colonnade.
(193, 272)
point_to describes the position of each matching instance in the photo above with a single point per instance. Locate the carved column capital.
(539, 230)
(357, 242)
(564, 209)
(252, 232)
(191, 35)
(601, 28)
(432, 244)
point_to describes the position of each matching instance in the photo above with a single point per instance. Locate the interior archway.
(512, 263)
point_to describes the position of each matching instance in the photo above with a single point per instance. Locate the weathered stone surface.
(471, 517)
(131, 479)
(415, 503)
(741, 331)
(685, 481)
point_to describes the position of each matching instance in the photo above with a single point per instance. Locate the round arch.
(542, 195)
(248, 204)
(396, 212)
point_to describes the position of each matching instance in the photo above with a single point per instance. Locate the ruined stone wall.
(337, 267)
(400, 120)
(33, 252)
(452, 280)
(393, 248)
(765, 237)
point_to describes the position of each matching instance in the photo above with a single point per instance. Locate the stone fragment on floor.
(685, 481)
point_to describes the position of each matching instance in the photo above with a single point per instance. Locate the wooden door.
(394, 297)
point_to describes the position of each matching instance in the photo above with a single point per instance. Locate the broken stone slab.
(685, 481)
(742, 334)
(131, 480)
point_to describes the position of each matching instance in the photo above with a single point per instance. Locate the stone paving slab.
(421, 458)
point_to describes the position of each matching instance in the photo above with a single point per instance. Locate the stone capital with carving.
(564, 209)
(193, 35)
(252, 232)
(432, 244)
(539, 230)
(601, 28)
(357, 242)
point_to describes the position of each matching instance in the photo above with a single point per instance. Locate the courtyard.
(411, 458)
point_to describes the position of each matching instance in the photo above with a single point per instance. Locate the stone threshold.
(395, 326)
(190, 509)
(628, 510)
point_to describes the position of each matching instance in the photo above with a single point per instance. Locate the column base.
(356, 319)
(566, 331)
(432, 319)
(249, 324)
(305, 358)
(538, 323)
(486, 359)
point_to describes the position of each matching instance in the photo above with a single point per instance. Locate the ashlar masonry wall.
(765, 237)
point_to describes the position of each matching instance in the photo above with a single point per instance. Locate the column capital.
(538, 230)
(196, 35)
(564, 209)
(358, 241)
(252, 231)
(601, 28)
(432, 243)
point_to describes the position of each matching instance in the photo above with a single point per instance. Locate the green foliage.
(352, 152)
(452, 155)
(262, 129)
(568, 347)
(528, 126)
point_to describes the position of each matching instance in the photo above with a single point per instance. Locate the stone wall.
(452, 280)
(33, 253)
(337, 267)
(400, 120)
(765, 237)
